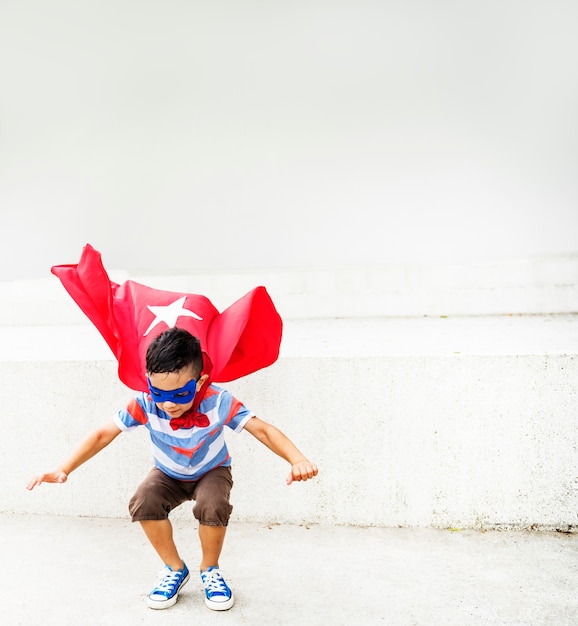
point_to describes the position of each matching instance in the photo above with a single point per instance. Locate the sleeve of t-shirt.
(132, 416)
(235, 413)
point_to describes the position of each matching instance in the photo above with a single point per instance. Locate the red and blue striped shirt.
(187, 453)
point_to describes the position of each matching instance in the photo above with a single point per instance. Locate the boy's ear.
(201, 381)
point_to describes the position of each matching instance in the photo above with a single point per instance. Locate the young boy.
(191, 461)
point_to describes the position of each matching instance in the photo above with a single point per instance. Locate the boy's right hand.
(51, 477)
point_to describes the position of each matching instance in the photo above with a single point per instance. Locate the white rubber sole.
(219, 606)
(166, 604)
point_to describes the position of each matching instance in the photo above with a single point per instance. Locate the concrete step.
(507, 335)
(489, 287)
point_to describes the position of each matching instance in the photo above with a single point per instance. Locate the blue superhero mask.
(178, 396)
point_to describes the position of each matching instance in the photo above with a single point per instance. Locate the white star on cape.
(169, 314)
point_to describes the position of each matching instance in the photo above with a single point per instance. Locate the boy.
(191, 461)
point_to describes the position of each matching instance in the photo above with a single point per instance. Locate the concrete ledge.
(423, 422)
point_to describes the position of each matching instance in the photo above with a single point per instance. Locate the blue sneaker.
(218, 596)
(166, 592)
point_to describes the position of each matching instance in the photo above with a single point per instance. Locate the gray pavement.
(94, 571)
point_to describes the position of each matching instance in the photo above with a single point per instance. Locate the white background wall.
(182, 135)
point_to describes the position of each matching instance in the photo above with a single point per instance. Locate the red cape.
(242, 339)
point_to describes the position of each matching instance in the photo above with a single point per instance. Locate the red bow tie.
(189, 419)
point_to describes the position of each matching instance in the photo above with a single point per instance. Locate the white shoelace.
(213, 581)
(167, 580)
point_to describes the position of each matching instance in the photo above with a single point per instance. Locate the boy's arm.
(94, 443)
(275, 440)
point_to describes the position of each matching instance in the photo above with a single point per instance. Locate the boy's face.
(175, 381)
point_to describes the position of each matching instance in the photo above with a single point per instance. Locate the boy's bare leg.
(212, 538)
(160, 534)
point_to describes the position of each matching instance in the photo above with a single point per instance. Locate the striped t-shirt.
(187, 453)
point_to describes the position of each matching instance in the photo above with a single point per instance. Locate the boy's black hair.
(173, 350)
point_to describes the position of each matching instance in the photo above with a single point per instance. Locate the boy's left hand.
(302, 471)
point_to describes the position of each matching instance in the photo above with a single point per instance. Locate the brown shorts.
(159, 494)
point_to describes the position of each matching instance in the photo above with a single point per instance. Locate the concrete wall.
(431, 419)
(466, 422)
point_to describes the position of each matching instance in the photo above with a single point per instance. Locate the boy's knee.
(212, 506)
(213, 511)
